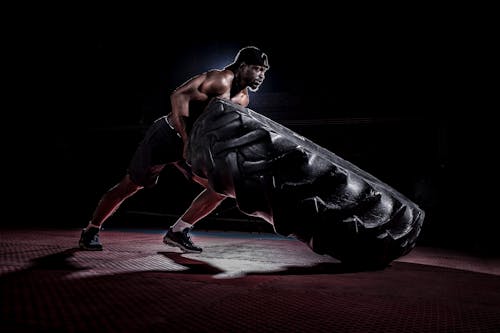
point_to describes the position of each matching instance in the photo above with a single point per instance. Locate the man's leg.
(109, 203)
(202, 205)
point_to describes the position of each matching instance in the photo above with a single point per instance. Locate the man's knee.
(127, 187)
(202, 181)
(215, 196)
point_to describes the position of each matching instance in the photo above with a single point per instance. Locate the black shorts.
(161, 145)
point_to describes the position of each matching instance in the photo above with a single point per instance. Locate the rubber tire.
(304, 190)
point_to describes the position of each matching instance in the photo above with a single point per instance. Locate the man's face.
(253, 75)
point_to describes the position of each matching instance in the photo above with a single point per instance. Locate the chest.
(240, 98)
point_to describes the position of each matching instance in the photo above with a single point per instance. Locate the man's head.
(251, 55)
(250, 65)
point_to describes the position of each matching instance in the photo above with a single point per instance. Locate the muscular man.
(165, 142)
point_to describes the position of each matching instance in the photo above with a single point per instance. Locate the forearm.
(180, 109)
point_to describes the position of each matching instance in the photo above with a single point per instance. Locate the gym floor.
(242, 282)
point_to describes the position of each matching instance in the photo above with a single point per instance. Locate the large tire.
(301, 188)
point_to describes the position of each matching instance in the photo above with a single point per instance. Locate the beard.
(254, 86)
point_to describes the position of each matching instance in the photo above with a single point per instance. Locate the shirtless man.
(165, 142)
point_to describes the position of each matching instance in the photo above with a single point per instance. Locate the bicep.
(190, 90)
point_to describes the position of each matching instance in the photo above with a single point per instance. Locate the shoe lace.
(95, 238)
(187, 236)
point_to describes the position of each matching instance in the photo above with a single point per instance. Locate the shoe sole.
(83, 247)
(174, 244)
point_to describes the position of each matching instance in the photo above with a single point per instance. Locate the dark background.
(399, 99)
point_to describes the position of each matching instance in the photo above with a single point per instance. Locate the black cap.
(251, 55)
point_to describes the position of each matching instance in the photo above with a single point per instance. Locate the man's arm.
(180, 99)
(198, 88)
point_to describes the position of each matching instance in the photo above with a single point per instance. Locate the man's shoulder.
(222, 79)
(225, 73)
